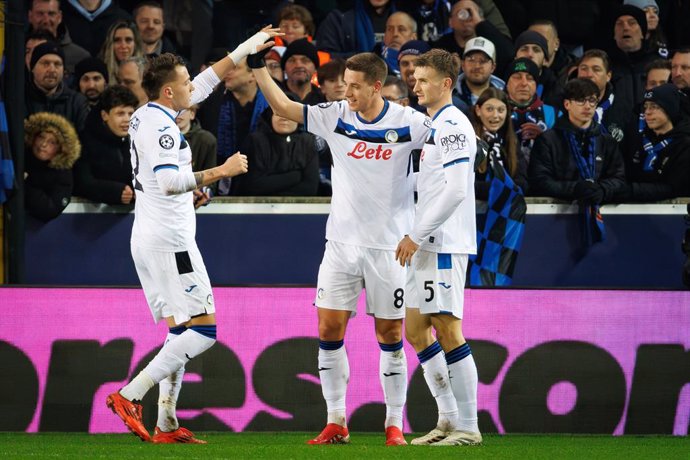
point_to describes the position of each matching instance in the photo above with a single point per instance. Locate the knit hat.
(642, 4)
(302, 47)
(523, 65)
(531, 37)
(90, 64)
(43, 49)
(70, 147)
(413, 48)
(482, 44)
(635, 12)
(667, 97)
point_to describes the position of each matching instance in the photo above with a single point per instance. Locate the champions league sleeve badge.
(166, 141)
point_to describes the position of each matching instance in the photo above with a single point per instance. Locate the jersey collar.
(378, 117)
(169, 112)
(441, 110)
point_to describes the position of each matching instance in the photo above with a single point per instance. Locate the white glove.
(248, 47)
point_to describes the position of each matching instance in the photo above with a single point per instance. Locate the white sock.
(393, 376)
(438, 381)
(334, 371)
(169, 389)
(463, 380)
(172, 357)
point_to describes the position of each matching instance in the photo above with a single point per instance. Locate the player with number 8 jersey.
(371, 141)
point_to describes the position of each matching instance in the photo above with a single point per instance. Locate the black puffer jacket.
(552, 168)
(104, 168)
(279, 165)
(65, 101)
(670, 174)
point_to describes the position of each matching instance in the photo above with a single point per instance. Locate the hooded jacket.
(279, 164)
(105, 168)
(48, 184)
(670, 174)
(552, 168)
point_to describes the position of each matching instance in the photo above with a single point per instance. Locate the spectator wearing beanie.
(91, 78)
(658, 168)
(300, 62)
(46, 90)
(407, 56)
(530, 115)
(655, 38)
(52, 147)
(533, 45)
(629, 55)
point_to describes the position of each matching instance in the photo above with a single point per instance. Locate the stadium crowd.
(581, 101)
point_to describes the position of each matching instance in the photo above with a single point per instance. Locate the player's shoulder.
(154, 118)
(338, 106)
(451, 118)
(410, 115)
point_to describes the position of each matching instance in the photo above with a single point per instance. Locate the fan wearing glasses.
(575, 160)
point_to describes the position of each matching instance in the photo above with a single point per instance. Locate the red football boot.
(332, 434)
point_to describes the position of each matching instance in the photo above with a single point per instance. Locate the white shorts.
(436, 283)
(175, 283)
(346, 269)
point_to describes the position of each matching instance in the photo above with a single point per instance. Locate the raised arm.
(253, 44)
(279, 102)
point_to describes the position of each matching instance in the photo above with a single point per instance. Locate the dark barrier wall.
(610, 362)
(269, 244)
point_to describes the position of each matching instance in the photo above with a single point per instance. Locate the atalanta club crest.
(391, 136)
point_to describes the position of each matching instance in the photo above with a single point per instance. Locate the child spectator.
(52, 147)
(104, 172)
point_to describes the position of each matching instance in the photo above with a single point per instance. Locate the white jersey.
(373, 200)
(163, 222)
(448, 158)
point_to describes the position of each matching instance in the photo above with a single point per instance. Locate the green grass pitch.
(286, 446)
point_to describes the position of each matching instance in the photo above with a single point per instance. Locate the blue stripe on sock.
(429, 352)
(205, 330)
(391, 346)
(462, 352)
(177, 330)
(334, 345)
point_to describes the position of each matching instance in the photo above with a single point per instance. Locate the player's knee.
(419, 338)
(331, 330)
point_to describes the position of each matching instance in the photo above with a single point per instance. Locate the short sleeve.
(321, 119)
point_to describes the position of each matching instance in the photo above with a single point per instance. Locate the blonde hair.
(107, 53)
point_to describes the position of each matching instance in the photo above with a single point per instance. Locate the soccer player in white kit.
(372, 206)
(164, 250)
(436, 251)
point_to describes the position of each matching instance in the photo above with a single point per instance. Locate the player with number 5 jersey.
(371, 141)
(437, 249)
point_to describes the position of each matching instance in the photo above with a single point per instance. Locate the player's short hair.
(300, 14)
(160, 70)
(597, 53)
(442, 61)
(392, 80)
(115, 96)
(578, 89)
(373, 67)
(330, 70)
